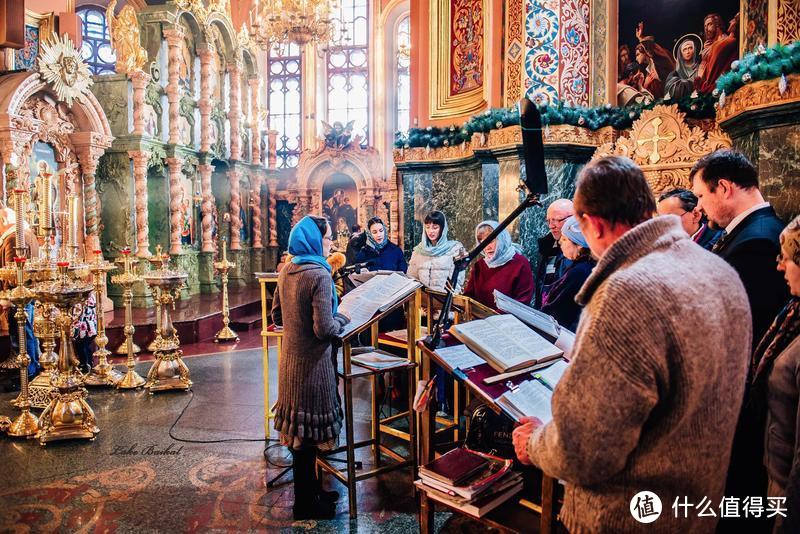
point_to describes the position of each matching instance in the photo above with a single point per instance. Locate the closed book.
(480, 506)
(454, 467)
(482, 481)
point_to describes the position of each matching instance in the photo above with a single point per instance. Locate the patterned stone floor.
(136, 478)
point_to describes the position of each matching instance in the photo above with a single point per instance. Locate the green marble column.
(206, 274)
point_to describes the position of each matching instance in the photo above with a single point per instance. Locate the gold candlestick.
(168, 370)
(44, 328)
(103, 374)
(26, 424)
(159, 261)
(131, 379)
(226, 334)
(68, 416)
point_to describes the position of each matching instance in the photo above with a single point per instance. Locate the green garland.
(592, 118)
(764, 64)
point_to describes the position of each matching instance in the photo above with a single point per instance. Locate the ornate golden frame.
(46, 22)
(442, 104)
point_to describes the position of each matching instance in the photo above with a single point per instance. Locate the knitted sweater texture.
(652, 396)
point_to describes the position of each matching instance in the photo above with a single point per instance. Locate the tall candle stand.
(102, 374)
(158, 261)
(226, 334)
(169, 370)
(132, 379)
(26, 424)
(68, 416)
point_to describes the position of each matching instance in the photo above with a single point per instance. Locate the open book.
(530, 398)
(540, 321)
(505, 342)
(376, 295)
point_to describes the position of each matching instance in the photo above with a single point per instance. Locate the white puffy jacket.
(433, 271)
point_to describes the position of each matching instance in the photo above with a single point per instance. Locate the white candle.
(72, 207)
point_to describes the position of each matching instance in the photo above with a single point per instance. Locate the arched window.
(402, 62)
(348, 70)
(285, 103)
(96, 48)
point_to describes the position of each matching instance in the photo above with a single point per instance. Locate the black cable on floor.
(227, 440)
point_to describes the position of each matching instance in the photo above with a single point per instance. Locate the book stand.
(349, 371)
(268, 330)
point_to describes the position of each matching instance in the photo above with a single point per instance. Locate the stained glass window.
(348, 70)
(285, 103)
(403, 44)
(96, 44)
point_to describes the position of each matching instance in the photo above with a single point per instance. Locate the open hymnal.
(540, 321)
(529, 398)
(505, 342)
(552, 374)
(459, 357)
(376, 295)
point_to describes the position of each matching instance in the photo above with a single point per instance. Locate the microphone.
(530, 120)
(354, 268)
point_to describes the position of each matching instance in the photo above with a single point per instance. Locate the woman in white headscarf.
(432, 260)
(502, 268)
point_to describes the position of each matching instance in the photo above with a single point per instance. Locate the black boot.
(324, 496)
(307, 503)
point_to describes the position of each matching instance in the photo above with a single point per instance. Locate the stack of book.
(473, 482)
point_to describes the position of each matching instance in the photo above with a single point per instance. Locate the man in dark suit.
(726, 184)
(551, 263)
(683, 203)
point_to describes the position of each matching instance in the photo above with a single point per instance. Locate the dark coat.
(389, 258)
(707, 237)
(357, 242)
(560, 301)
(751, 249)
(547, 250)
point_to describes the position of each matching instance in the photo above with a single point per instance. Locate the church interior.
(164, 163)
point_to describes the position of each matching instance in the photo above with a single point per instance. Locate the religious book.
(459, 357)
(550, 376)
(378, 360)
(454, 467)
(479, 507)
(531, 398)
(505, 342)
(539, 321)
(374, 296)
(482, 481)
(402, 334)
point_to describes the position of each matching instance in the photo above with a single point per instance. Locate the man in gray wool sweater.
(651, 398)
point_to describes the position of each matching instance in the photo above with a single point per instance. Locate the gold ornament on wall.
(665, 146)
(61, 65)
(125, 39)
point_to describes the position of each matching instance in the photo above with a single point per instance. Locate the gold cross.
(655, 157)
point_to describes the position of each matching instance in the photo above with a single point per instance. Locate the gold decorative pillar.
(174, 37)
(207, 207)
(175, 221)
(255, 137)
(272, 185)
(235, 112)
(255, 201)
(140, 160)
(234, 175)
(206, 61)
(139, 81)
(272, 149)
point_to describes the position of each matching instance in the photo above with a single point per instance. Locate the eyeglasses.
(556, 221)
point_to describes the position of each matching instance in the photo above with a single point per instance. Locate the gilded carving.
(758, 95)
(665, 146)
(62, 66)
(125, 39)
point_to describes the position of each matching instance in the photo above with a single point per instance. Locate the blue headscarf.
(374, 244)
(572, 230)
(505, 249)
(305, 245)
(442, 246)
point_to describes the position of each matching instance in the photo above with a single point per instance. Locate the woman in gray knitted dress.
(307, 413)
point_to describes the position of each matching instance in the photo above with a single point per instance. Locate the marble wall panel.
(459, 194)
(779, 169)
(284, 214)
(114, 187)
(417, 202)
(491, 177)
(158, 210)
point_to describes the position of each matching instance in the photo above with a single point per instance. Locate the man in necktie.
(726, 184)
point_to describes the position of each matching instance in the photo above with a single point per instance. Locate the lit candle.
(72, 207)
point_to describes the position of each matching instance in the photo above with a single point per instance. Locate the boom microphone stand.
(535, 183)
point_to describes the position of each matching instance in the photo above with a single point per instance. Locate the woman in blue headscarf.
(382, 254)
(307, 413)
(559, 301)
(502, 268)
(432, 260)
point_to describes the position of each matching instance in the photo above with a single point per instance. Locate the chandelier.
(275, 23)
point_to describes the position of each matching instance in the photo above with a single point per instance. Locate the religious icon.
(337, 193)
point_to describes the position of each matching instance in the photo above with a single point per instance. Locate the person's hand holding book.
(522, 434)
